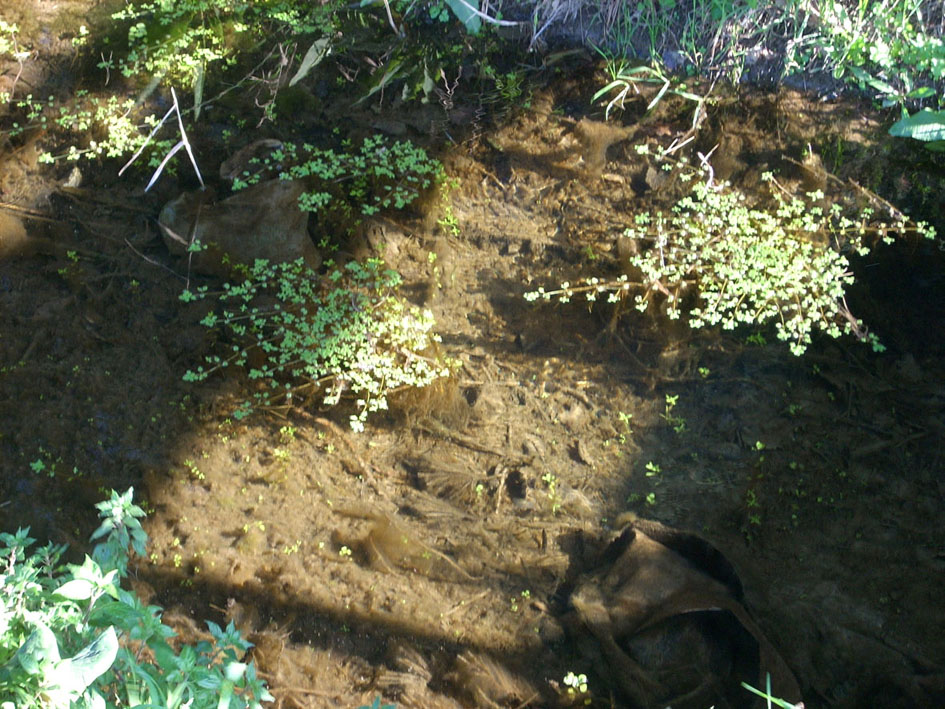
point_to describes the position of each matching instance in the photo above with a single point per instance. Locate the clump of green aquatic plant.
(379, 175)
(90, 127)
(787, 263)
(299, 333)
(577, 688)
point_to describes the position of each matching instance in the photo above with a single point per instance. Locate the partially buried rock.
(261, 222)
(13, 238)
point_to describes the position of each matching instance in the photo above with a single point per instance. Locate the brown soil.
(428, 561)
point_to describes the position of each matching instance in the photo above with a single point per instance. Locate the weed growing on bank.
(885, 47)
(299, 334)
(891, 50)
(787, 263)
(624, 80)
(181, 40)
(180, 43)
(71, 636)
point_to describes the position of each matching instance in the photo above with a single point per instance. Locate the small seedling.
(677, 422)
(766, 695)
(551, 481)
(577, 686)
(625, 420)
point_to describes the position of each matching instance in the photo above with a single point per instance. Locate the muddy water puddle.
(433, 560)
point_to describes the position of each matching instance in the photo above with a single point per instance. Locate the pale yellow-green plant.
(9, 46)
(786, 263)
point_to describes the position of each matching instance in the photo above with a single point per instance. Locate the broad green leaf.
(163, 653)
(871, 80)
(922, 92)
(109, 612)
(465, 11)
(77, 673)
(198, 92)
(40, 647)
(76, 590)
(313, 57)
(927, 125)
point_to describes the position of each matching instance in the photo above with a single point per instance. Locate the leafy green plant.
(180, 43)
(878, 44)
(885, 48)
(510, 87)
(677, 422)
(9, 46)
(787, 263)
(469, 13)
(71, 636)
(433, 45)
(466, 11)
(180, 40)
(90, 127)
(345, 333)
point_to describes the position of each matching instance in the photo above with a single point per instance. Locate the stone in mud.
(13, 238)
(261, 222)
(666, 616)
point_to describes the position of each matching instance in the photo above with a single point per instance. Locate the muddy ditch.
(473, 547)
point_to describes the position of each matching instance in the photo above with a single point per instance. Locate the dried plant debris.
(488, 683)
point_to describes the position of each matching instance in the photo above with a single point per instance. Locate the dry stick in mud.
(28, 213)
(435, 428)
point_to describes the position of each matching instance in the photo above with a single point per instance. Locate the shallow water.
(429, 560)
